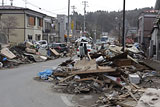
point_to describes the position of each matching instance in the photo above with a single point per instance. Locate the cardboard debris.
(83, 64)
(115, 49)
(33, 51)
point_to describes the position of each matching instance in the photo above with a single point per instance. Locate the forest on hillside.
(104, 21)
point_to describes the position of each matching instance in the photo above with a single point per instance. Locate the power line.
(2, 2)
(73, 8)
(11, 2)
(60, 9)
(26, 2)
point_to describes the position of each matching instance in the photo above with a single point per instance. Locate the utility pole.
(73, 8)
(85, 5)
(95, 36)
(73, 24)
(25, 3)
(123, 31)
(2, 2)
(119, 31)
(11, 2)
(68, 18)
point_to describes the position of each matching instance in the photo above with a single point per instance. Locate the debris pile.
(121, 76)
(25, 53)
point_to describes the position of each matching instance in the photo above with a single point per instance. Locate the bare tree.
(8, 25)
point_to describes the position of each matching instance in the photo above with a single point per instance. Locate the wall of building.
(32, 30)
(16, 34)
(23, 29)
(62, 28)
(146, 23)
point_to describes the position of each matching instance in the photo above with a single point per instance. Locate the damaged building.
(154, 50)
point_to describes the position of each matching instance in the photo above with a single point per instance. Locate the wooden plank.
(123, 62)
(89, 56)
(151, 64)
(88, 79)
(93, 71)
(104, 67)
(136, 86)
(134, 60)
(60, 74)
(123, 96)
(111, 86)
(126, 103)
(54, 52)
(131, 94)
(66, 78)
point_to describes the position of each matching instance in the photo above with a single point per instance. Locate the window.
(47, 25)
(31, 20)
(29, 37)
(38, 37)
(39, 22)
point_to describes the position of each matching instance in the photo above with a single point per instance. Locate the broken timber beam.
(93, 79)
(93, 71)
(66, 78)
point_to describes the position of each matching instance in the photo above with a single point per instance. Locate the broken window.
(31, 20)
(29, 37)
(38, 37)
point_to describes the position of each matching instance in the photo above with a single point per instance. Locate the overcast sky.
(60, 6)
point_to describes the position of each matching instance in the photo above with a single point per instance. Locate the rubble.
(24, 53)
(120, 76)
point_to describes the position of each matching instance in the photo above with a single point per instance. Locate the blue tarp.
(45, 74)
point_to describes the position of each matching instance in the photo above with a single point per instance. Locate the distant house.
(29, 23)
(157, 6)
(49, 29)
(62, 26)
(145, 25)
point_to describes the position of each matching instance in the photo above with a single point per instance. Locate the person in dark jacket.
(86, 51)
(82, 52)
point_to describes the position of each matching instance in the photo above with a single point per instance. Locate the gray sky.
(60, 6)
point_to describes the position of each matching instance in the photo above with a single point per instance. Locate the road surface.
(19, 89)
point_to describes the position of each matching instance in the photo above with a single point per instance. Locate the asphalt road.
(19, 89)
